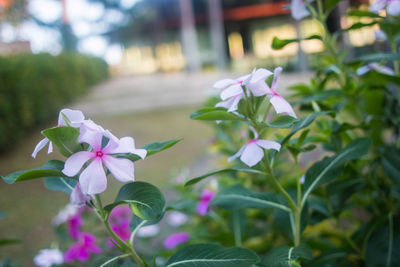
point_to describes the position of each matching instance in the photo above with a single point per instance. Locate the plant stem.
(236, 228)
(390, 245)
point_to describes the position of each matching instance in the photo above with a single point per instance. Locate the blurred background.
(138, 68)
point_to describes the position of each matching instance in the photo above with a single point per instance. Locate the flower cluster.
(119, 220)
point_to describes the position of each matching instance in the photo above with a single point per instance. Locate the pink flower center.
(99, 154)
(240, 82)
(252, 141)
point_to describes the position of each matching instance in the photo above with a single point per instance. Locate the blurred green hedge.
(33, 88)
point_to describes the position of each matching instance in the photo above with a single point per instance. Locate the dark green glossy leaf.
(64, 138)
(282, 122)
(319, 96)
(391, 164)
(51, 169)
(215, 114)
(200, 178)
(212, 255)
(359, 25)
(145, 200)
(65, 185)
(283, 255)
(281, 43)
(238, 197)
(327, 169)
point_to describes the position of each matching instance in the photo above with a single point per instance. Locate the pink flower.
(376, 67)
(120, 214)
(176, 218)
(82, 250)
(74, 224)
(299, 9)
(252, 152)
(77, 197)
(48, 257)
(205, 198)
(93, 179)
(119, 221)
(233, 90)
(75, 118)
(392, 6)
(175, 239)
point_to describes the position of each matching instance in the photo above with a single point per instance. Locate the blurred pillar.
(189, 36)
(217, 32)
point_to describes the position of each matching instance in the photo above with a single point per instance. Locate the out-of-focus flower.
(74, 224)
(77, 197)
(299, 9)
(233, 89)
(392, 6)
(74, 117)
(380, 35)
(176, 218)
(93, 178)
(252, 152)
(302, 179)
(82, 249)
(148, 231)
(64, 214)
(122, 230)
(119, 221)
(376, 67)
(48, 257)
(205, 199)
(175, 239)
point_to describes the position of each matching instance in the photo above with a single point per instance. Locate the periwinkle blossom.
(176, 239)
(82, 249)
(93, 179)
(392, 6)
(65, 214)
(233, 88)
(119, 220)
(48, 258)
(74, 224)
(176, 218)
(205, 199)
(75, 118)
(299, 9)
(375, 67)
(252, 152)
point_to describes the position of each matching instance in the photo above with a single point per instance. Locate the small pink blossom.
(48, 257)
(299, 9)
(119, 220)
(75, 118)
(148, 231)
(252, 152)
(375, 67)
(74, 224)
(392, 6)
(82, 249)
(175, 239)
(205, 199)
(176, 218)
(77, 197)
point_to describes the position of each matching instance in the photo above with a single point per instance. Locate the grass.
(30, 207)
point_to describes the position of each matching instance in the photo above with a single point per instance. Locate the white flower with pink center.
(252, 152)
(75, 119)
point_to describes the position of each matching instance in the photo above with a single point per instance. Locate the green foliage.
(202, 177)
(34, 87)
(214, 113)
(64, 138)
(285, 256)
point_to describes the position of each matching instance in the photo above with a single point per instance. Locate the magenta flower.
(252, 152)
(233, 90)
(74, 224)
(75, 118)
(205, 198)
(119, 220)
(175, 239)
(392, 6)
(48, 257)
(376, 67)
(299, 9)
(93, 178)
(82, 250)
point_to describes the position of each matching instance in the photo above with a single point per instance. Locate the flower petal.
(127, 145)
(93, 179)
(235, 102)
(122, 169)
(75, 117)
(393, 8)
(282, 106)
(224, 83)
(231, 91)
(260, 74)
(238, 154)
(277, 72)
(259, 88)
(75, 162)
(377, 5)
(42, 143)
(267, 144)
(93, 138)
(175, 239)
(362, 70)
(77, 197)
(252, 154)
(299, 9)
(50, 150)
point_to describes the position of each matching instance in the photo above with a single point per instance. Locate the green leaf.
(304, 122)
(359, 25)
(214, 114)
(281, 43)
(60, 184)
(6, 241)
(282, 122)
(330, 5)
(391, 164)
(319, 96)
(155, 147)
(64, 138)
(50, 169)
(327, 169)
(212, 255)
(145, 200)
(283, 255)
(377, 57)
(238, 197)
(363, 13)
(200, 178)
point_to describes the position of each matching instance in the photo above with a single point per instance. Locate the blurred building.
(14, 48)
(186, 36)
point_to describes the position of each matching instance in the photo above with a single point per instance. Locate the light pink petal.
(259, 88)
(76, 161)
(93, 179)
(277, 72)
(50, 150)
(127, 145)
(231, 91)
(75, 117)
(77, 197)
(299, 9)
(108, 134)
(238, 154)
(235, 102)
(381, 69)
(202, 207)
(244, 78)
(252, 154)
(94, 139)
(362, 70)
(224, 83)
(377, 5)
(89, 130)
(175, 239)
(260, 75)
(42, 143)
(225, 104)
(282, 106)
(122, 169)
(267, 144)
(380, 35)
(111, 146)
